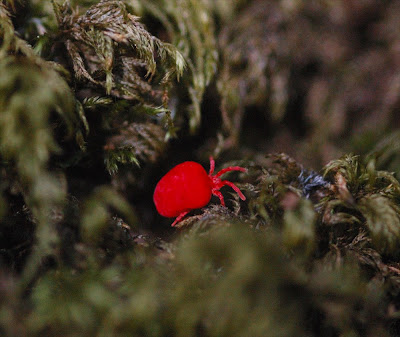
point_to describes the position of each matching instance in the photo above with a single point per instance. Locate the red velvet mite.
(187, 186)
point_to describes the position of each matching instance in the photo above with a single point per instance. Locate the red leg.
(179, 218)
(220, 196)
(230, 168)
(232, 185)
(212, 166)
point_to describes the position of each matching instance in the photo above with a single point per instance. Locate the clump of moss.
(91, 98)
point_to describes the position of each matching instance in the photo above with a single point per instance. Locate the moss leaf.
(383, 220)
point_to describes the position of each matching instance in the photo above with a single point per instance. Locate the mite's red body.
(187, 186)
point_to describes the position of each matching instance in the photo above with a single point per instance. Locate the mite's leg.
(179, 218)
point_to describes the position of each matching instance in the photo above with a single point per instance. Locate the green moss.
(97, 103)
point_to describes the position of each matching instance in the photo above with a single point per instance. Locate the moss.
(98, 99)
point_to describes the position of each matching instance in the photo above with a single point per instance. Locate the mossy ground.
(99, 99)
